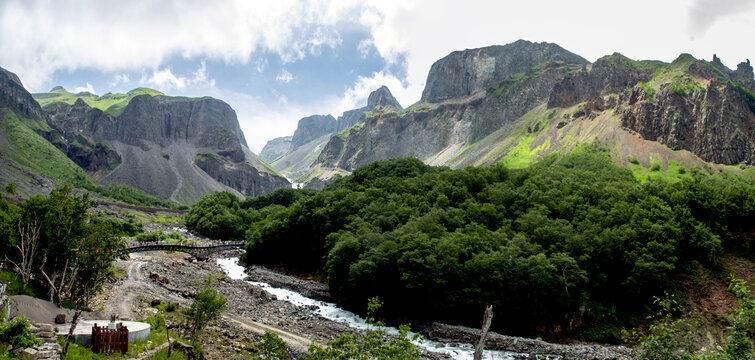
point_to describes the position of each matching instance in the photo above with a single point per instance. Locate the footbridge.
(197, 249)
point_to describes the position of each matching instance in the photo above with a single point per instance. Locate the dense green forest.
(571, 241)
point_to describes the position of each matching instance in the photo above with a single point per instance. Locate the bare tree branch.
(486, 320)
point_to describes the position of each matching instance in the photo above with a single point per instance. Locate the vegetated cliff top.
(112, 104)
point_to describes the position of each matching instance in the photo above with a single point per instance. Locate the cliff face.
(715, 123)
(686, 105)
(468, 95)
(519, 102)
(312, 127)
(275, 148)
(463, 73)
(153, 142)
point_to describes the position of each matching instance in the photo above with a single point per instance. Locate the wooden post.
(486, 320)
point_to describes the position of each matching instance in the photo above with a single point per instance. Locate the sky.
(277, 61)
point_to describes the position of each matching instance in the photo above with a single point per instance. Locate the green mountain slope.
(112, 104)
(21, 144)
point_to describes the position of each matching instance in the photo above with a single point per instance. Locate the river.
(332, 312)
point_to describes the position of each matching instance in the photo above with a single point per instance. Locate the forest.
(573, 243)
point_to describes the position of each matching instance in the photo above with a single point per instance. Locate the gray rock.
(463, 73)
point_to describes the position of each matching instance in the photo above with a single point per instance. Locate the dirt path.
(298, 343)
(130, 296)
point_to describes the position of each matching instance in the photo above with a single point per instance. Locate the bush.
(633, 160)
(272, 347)
(170, 306)
(655, 167)
(17, 332)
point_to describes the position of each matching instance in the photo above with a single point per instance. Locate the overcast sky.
(277, 61)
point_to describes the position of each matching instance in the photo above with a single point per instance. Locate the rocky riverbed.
(153, 277)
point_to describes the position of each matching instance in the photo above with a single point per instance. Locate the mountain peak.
(463, 73)
(382, 97)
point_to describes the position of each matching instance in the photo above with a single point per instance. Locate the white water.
(332, 312)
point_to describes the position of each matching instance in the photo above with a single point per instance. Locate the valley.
(597, 205)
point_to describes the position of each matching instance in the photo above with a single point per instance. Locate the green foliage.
(741, 331)
(543, 241)
(633, 160)
(77, 351)
(271, 347)
(217, 216)
(206, 307)
(170, 306)
(163, 355)
(669, 338)
(283, 196)
(160, 236)
(130, 227)
(113, 104)
(648, 89)
(346, 132)
(373, 344)
(15, 286)
(31, 150)
(198, 350)
(17, 333)
(132, 195)
(503, 86)
(11, 188)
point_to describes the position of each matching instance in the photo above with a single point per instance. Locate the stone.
(29, 354)
(46, 327)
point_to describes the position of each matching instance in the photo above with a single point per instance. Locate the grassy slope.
(112, 104)
(30, 150)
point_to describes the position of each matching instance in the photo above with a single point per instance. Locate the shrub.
(17, 332)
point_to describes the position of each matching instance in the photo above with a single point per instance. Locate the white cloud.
(356, 96)
(364, 48)
(165, 80)
(119, 79)
(705, 13)
(89, 88)
(41, 37)
(284, 76)
(420, 32)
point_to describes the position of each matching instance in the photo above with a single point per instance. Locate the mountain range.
(512, 104)
(173, 148)
(519, 102)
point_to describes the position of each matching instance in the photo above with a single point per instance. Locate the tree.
(207, 307)
(11, 188)
(93, 255)
(272, 347)
(64, 227)
(27, 237)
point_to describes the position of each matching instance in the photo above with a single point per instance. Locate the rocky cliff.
(311, 128)
(275, 148)
(468, 95)
(463, 73)
(31, 151)
(519, 102)
(314, 132)
(152, 141)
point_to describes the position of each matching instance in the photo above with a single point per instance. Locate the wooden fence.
(109, 340)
